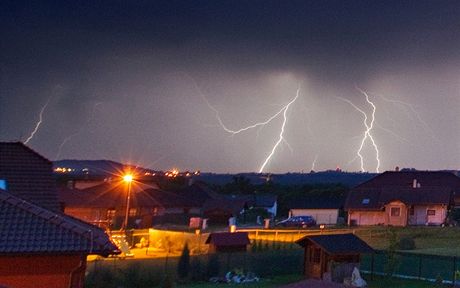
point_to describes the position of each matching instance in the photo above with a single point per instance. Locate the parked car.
(297, 221)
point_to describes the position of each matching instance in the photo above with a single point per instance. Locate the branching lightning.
(281, 137)
(414, 111)
(369, 124)
(78, 132)
(40, 120)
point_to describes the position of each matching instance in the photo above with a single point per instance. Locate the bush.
(213, 268)
(183, 267)
(406, 243)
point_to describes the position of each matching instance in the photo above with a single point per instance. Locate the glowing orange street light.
(128, 178)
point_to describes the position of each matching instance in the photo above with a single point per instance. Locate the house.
(267, 202)
(325, 253)
(228, 242)
(218, 211)
(325, 210)
(27, 175)
(105, 204)
(39, 245)
(402, 198)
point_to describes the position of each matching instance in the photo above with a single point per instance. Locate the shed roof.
(228, 239)
(28, 228)
(336, 244)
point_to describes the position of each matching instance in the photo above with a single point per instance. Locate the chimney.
(397, 168)
(414, 183)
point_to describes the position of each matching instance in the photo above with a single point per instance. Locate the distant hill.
(91, 167)
(326, 177)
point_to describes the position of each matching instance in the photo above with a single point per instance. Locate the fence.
(412, 265)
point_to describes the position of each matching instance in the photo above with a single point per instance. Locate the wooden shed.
(228, 242)
(321, 251)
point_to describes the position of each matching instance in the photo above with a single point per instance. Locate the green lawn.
(429, 240)
(263, 283)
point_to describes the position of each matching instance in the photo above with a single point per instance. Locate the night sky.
(144, 82)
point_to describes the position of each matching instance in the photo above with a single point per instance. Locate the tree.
(183, 267)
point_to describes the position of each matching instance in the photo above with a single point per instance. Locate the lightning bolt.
(367, 132)
(233, 132)
(78, 132)
(40, 120)
(313, 164)
(414, 111)
(281, 137)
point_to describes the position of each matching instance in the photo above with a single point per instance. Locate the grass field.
(281, 263)
(429, 240)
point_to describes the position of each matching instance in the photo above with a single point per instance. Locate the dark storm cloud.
(149, 56)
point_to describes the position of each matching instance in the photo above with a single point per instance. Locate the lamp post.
(128, 178)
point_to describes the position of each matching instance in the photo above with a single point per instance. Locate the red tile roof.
(28, 228)
(28, 175)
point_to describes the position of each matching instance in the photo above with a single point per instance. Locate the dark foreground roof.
(28, 175)
(27, 228)
(338, 243)
(228, 239)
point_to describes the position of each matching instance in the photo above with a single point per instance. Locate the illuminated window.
(132, 212)
(110, 213)
(366, 201)
(3, 184)
(431, 212)
(395, 211)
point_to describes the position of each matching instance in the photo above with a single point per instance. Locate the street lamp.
(128, 178)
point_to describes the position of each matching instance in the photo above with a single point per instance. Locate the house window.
(315, 255)
(132, 212)
(365, 201)
(110, 213)
(395, 211)
(3, 184)
(431, 212)
(411, 211)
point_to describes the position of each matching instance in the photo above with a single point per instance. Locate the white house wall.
(321, 216)
(366, 218)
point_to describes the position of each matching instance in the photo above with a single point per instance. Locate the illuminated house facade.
(403, 198)
(105, 204)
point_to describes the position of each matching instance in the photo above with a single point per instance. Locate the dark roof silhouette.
(228, 239)
(28, 228)
(338, 243)
(431, 188)
(113, 195)
(28, 175)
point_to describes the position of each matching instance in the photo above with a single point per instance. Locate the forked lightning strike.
(40, 120)
(78, 132)
(367, 132)
(281, 137)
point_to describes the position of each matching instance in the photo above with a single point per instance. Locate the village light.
(128, 178)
